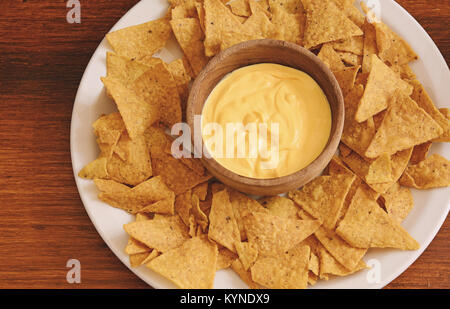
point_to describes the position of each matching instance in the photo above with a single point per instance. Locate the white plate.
(431, 207)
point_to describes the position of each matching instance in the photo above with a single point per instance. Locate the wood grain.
(42, 220)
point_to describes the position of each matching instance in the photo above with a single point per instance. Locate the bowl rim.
(335, 136)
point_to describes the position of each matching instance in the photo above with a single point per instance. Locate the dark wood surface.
(42, 220)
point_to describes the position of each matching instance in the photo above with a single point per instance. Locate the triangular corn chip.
(248, 253)
(95, 169)
(223, 228)
(404, 126)
(380, 170)
(382, 84)
(218, 20)
(141, 40)
(157, 88)
(346, 79)
(162, 233)
(124, 69)
(433, 172)
(370, 46)
(360, 167)
(391, 47)
(225, 258)
(190, 37)
(356, 135)
(325, 22)
(288, 270)
(274, 235)
(191, 266)
(398, 202)
(137, 114)
(331, 58)
(366, 225)
(280, 206)
(324, 197)
(424, 101)
(135, 166)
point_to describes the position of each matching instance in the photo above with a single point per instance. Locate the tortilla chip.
(183, 205)
(357, 136)
(280, 206)
(141, 40)
(346, 79)
(147, 196)
(151, 256)
(405, 125)
(354, 45)
(344, 253)
(163, 233)
(108, 129)
(420, 152)
(330, 266)
(287, 26)
(259, 24)
(242, 206)
(178, 176)
(398, 202)
(350, 59)
(218, 20)
(134, 246)
(248, 253)
(225, 258)
(201, 190)
(289, 270)
(325, 22)
(380, 170)
(95, 169)
(191, 266)
(186, 9)
(137, 259)
(240, 8)
(290, 6)
(445, 112)
(182, 79)
(190, 37)
(433, 172)
(404, 71)
(245, 275)
(352, 12)
(382, 85)
(157, 87)
(370, 46)
(424, 101)
(331, 58)
(274, 235)
(366, 225)
(124, 69)
(200, 217)
(134, 166)
(344, 150)
(223, 228)
(314, 264)
(360, 167)
(137, 114)
(337, 167)
(391, 47)
(324, 197)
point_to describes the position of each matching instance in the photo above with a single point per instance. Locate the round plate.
(431, 206)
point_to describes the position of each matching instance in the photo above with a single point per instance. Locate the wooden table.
(43, 223)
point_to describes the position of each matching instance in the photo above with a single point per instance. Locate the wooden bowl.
(268, 51)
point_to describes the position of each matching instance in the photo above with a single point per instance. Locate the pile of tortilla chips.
(188, 226)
